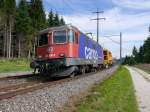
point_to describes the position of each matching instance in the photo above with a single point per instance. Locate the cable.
(113, 40)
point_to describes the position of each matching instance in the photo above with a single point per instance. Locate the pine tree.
(2, 25)
(136, 54)
(24, 27)
(53, 20)
(62, 22)
(56, 20)
(50, 19)
(37, 14)
(147, 50)
(141, 54)
(129, 60)
(8, 9)
(1, 7)
(38, 18)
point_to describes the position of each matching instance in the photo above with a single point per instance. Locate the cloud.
(134, 28)
(133, 4)
(115, 22)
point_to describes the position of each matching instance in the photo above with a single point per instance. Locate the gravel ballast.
(52, 98)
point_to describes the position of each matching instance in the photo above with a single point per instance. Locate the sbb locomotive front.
(65, 50)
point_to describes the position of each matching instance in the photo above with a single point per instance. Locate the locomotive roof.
(59, 28)
(68, 26)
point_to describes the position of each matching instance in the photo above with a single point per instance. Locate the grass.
(14, 65)
(113, 95)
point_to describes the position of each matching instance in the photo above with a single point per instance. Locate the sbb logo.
(91, 53)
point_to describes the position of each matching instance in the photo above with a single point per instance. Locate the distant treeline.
(20, 24)
(141, 55)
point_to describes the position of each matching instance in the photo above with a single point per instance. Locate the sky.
(131, 17)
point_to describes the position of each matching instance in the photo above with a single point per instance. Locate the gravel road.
(141, 82)
(50, 99)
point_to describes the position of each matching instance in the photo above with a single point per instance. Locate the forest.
(20, 24)
(141, 55)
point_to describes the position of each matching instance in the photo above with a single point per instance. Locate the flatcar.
(65, 50)
(108, 60)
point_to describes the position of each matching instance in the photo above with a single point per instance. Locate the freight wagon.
(108, 61)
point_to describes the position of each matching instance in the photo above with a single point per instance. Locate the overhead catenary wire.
(108, 37)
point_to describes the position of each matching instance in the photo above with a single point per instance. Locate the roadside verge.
(113, 95)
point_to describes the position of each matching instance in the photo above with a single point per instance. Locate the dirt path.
(141, 82)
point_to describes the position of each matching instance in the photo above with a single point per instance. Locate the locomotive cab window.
(59, 37)
(43, 39)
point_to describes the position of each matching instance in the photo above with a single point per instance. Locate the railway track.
(14, 90)
(16, 77)
(11, 91)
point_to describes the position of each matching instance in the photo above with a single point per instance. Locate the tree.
(37, 14)
(147, 50)
(1, 7)
(24, 27)
(129, 60)
(135, 54)
(20, 24)
(2, 25)
(53, 20)
(62, 22)
(141, 54)
(38, 18)
(8, 9)
(56, 20)
(50, 19)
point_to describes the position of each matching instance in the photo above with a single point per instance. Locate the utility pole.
(97, 19)
(120, 47)
(149, 30)
(119, 43)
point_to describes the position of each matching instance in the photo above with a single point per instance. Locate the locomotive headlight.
(39, 56)
(62, 55)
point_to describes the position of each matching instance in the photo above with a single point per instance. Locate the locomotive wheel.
(106, 66)
(83, 70)
(72, 75)
(94, 70)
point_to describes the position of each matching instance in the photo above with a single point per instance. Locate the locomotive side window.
(71, 36)
(43, 39)
(59, 37)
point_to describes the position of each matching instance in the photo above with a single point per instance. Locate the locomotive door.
(44, 41)
(76, 39)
